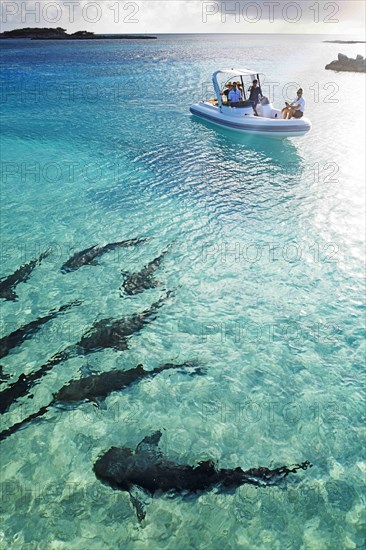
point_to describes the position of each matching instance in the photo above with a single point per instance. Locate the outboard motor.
(265, 108)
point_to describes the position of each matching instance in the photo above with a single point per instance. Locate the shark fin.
(207, 466)
(140, 369)
(149, 442)
(138, 500)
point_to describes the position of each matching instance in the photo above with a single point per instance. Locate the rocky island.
(344, 63)
(345, 41)
(61, 34)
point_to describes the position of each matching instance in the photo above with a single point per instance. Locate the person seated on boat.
(296, 108)
(235, 95)
(255, 95)
(226, 92)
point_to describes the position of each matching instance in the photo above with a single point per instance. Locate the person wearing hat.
(235, 94)
(226, 92)
(296, 108)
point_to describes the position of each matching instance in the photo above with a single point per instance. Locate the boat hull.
(244, 121)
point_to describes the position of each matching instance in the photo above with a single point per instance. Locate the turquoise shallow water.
(267, 261)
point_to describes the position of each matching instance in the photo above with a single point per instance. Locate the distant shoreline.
(345, 41)
(61, 35)
(73, 39)
(98, 37)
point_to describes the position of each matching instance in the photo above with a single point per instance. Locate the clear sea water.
(266, 261)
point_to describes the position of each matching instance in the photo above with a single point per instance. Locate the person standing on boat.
(296, 108)
(255, 95)
(235, 94)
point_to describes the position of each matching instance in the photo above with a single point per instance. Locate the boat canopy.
(229, 73)
(235, 72)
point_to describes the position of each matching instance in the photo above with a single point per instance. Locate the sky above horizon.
(343, 17)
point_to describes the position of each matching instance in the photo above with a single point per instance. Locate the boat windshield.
(243, 82)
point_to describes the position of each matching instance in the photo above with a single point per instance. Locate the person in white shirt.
(235, 94)
(296, 108)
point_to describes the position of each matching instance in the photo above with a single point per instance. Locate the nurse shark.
(89, 256)
(96, 387)
(103, 334)
(145, 472)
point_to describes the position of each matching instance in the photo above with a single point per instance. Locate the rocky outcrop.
(35, 33)
(345, 41)
(344, 63)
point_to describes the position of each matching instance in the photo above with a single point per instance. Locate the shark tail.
(126, 243)
(264, 476)
(44, 255)
(296, 467)
(65, 307)
(153, 309)
(189, 367)
(19, 425)
(21, 387)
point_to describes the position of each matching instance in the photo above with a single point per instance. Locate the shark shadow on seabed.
(145, 471)
(104, 334)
